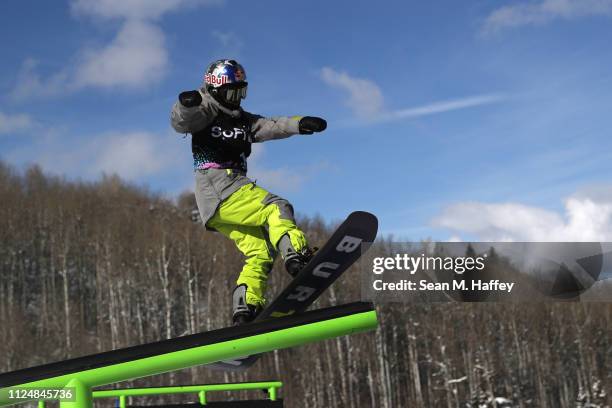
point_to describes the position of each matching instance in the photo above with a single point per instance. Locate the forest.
(93, 266)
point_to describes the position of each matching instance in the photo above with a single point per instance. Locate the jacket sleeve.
(273, 128)
(192, 119)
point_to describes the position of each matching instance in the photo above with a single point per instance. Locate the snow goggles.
(234, 92)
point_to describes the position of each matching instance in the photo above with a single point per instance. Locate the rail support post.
(82, 395)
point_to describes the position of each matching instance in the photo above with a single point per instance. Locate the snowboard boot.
(242, 311)
(296, 261)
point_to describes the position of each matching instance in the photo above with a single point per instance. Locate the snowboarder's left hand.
(310, 124)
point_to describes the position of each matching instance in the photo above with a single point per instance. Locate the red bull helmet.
(225, 80)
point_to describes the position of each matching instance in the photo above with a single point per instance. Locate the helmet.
(225, 80)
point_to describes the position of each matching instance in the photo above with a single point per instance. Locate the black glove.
(189, 99)
(310, 124)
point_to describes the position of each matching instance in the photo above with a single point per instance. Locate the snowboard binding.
(296, 261)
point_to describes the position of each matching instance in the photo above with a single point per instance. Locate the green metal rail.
(201, 390)
(82, 382)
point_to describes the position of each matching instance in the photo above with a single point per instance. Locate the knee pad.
(284, 207)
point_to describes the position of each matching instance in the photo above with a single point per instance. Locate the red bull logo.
(216, 80)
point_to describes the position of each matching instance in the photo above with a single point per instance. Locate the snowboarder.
(260, 223)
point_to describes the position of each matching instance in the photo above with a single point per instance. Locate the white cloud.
(442, 106)
(12, 123)
(364, 97)
(367, 102)
(30, 83)
(131, 155)
(136, 57)
(543, 11)
(132, 9)
(230, 43)
(280, 180)
(587, 217)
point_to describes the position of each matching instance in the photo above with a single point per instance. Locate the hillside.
(89, 267)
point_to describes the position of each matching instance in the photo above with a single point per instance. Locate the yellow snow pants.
(256, 220)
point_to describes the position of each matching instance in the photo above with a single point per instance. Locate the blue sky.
(472, 119)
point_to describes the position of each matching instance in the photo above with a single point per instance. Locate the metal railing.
(121, 394)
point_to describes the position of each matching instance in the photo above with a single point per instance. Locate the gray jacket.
(221, 144)
(190, 120)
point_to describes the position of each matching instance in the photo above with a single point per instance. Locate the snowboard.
(340, 251)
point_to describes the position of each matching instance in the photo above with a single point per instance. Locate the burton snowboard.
(340, 251)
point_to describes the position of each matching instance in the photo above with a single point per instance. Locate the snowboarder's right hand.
(189, 99)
